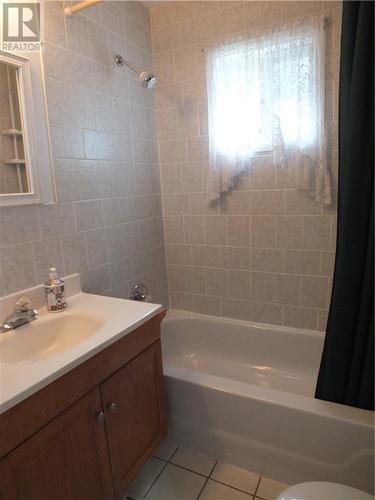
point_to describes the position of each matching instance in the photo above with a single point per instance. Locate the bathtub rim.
(299, 402)
(177, 313)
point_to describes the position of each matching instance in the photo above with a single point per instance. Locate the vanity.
(82, 404)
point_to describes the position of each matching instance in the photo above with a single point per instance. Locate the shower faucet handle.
(119, 60)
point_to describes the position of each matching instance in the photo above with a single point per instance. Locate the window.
(267, 94)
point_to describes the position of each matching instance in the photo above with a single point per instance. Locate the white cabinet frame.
(35, 130)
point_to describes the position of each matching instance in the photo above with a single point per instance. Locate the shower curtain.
(347, 368)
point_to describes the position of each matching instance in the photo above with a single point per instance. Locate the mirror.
(13, 168)
(26, 172)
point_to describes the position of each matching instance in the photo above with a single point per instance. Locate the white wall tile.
(268, 230)
(47, 253)
(90, 119)
(18, 270)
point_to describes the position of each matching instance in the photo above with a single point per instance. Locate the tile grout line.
(235, 488)
(173, 454)
(156, 478)
(207, 479)
(186, 468)
(160, 473)
(166, 462)
(189, 470)
(257, 488)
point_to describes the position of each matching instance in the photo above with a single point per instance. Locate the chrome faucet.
(22, 314)
(139, 292)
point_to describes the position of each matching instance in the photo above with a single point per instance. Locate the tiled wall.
(108, 222)
(268, 256)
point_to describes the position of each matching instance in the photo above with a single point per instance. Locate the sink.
(47, 336)
(36, 354)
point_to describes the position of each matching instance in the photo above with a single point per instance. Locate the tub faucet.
(22, 314)
(139, 292)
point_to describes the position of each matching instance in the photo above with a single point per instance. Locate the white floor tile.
(270, 489)
(165, 450)
(193, 461)
(218, 491)
(146, 476)
(175, 483)
(236, 477)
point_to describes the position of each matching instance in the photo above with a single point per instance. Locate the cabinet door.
(135, 421)
(66, 459)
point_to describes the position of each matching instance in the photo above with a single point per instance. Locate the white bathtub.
(243, 392)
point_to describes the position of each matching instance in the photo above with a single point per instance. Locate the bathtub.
(243, 393)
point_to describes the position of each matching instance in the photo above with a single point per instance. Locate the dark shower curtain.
(347, 368)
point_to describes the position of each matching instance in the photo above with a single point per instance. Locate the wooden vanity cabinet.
(66, 459)
(101, 435)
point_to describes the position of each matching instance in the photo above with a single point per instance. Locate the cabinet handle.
(100, 415)
(112, 406)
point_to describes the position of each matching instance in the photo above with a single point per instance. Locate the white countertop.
(21, 379)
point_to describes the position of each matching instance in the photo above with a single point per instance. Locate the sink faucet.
(22, 314)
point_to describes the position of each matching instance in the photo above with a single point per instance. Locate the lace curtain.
(266, 94)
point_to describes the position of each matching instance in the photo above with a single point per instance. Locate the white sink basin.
(47, 336)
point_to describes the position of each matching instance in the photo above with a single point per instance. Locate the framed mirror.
(26, 171)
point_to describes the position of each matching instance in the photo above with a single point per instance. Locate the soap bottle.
(54, 288)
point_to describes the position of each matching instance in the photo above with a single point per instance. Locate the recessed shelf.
(14, 161)
(11, 131)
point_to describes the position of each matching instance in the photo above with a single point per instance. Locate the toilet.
(320, 490)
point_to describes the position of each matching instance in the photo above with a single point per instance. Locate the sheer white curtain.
(266, 94)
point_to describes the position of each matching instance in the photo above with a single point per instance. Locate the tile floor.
(175, 473)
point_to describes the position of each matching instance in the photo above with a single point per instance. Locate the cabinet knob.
(112, 406)
(100, 415)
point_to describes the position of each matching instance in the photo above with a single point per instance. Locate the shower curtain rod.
(69, 11)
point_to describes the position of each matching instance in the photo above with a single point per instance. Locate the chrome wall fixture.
(148, 79)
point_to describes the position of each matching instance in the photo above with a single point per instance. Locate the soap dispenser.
(54, 289)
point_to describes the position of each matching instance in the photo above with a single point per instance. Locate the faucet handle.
(23, 303)
(139, 292)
